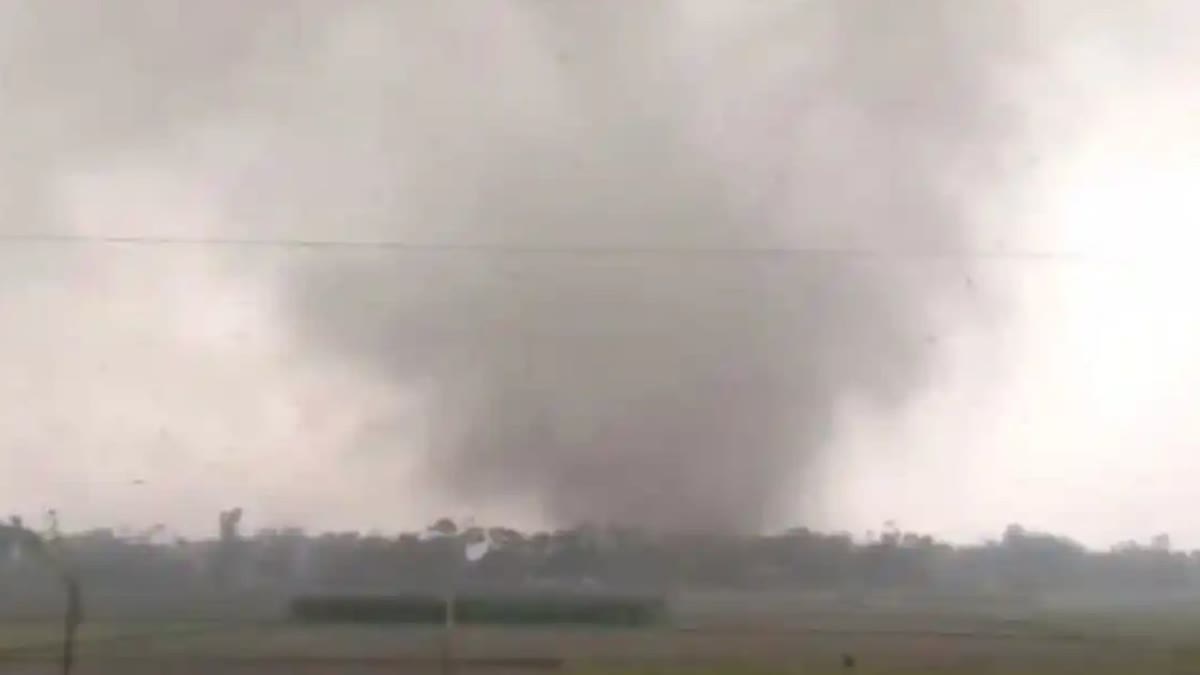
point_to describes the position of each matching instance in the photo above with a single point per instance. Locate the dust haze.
(639, 254)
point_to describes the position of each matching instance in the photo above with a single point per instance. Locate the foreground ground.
(1144, 643)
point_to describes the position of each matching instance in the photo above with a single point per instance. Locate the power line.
(849, 252)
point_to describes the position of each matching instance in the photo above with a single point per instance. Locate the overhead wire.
(498, 248)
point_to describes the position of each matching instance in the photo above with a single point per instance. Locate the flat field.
(1125, 642)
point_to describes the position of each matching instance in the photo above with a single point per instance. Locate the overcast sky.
(148, 383)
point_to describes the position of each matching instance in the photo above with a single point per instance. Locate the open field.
(1142, 643)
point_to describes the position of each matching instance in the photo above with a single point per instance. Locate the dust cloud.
(651, 250)
(633, 256)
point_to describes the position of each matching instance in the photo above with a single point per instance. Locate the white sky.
(1070, 409)
(1075, 412)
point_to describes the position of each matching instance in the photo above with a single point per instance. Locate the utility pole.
(35, 544)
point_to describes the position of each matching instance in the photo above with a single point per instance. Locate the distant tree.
(228, 523)
(444, 527)
(227, 557)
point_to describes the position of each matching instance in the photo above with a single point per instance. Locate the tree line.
(1020, 563)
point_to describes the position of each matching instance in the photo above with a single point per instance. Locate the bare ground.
(288, 649)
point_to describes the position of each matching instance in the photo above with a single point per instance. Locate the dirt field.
(890, 643)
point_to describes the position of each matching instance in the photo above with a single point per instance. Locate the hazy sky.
(1073, 411)
(160, 383)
